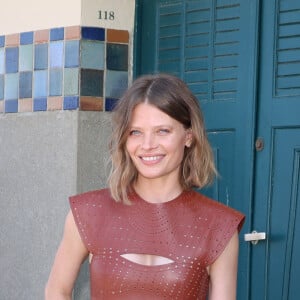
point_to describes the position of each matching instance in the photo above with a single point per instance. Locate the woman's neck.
(157, 191)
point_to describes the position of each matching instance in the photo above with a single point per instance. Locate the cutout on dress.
(147, 259)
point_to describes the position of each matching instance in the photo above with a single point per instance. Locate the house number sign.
(106, 15)
(113, 14)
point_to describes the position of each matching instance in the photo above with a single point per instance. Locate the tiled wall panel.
(71, 68)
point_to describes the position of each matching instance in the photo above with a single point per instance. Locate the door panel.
(284, 221)
(212, 46)
(275, 267)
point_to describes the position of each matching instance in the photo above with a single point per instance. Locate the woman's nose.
(149, 141)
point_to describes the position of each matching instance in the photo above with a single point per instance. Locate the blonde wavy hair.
(172, 96)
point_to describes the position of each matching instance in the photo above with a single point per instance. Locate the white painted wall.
(20, 16)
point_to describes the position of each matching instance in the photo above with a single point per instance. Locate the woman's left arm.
(223, 272)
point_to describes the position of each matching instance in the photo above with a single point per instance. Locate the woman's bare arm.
(69, 257)
(223, 272)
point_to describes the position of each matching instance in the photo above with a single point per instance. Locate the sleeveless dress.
(190, 230)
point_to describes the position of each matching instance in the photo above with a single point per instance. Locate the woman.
(150, 235)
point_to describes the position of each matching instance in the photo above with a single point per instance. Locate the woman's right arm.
(69, 257)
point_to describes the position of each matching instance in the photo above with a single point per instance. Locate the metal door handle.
(254, 237)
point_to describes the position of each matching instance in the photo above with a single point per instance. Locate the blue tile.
(26, 38)
(116, 83)
(1, 87)
(110, 103)
(56, 54)
(40, 83)
(26, 58)
(2, 40)
(25, 85)
(117, 57)
(41, 57)
(57, 34)
(55, 83)
(91, 83)
(2, 61)
(93, 33)
(71, 54)
(71, 81)
(71, 102)
(11, 106)
(40, 104)
(11, 60)
(92, 55)
(11, 86)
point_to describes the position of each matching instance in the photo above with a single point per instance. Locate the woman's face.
(156, 143)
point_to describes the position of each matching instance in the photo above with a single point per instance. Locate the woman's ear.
(189, 137)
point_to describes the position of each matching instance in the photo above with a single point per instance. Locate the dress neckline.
(136, 198)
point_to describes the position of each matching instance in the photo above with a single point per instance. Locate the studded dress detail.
(191, 231)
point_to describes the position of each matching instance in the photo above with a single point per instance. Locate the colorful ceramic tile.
(72, 54)
(56, 51)
(117, 36)
(91, 83)
(1, 87)
(40, 104)
(41, 36)
(2, 40)
(26, 38)
(116, 83)
(11, 60)
(25, 85)
(25, 105)
(93, 33)
(71, 102)
(91, 103)
(2, 61)
(92, 55)
(73, 33)
(40, 79)
(71, 81)
(12, 40)
(11, 86)
(11, 106)
(55, 103)
(41, 57)
(110, 103)
(117, 57)
(26, 58)
(55, 82)
(57, 34)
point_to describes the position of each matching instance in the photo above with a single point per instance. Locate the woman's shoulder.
(91, 196)
(215, 210)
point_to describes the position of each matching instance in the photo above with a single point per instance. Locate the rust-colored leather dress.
(191, 231)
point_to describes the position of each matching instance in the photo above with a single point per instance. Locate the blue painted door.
(241, 59)
(275, 263)
(212, 45)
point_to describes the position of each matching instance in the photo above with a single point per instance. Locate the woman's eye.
(134, 132)
(163, 131)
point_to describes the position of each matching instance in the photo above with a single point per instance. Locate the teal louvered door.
(241, 58)
(276, 262)
(212, 46)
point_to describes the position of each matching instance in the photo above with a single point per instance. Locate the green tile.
(116, 83)
(92, 55)
(26, 58)
(71, 81)
(91, 83)
(11, 86)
